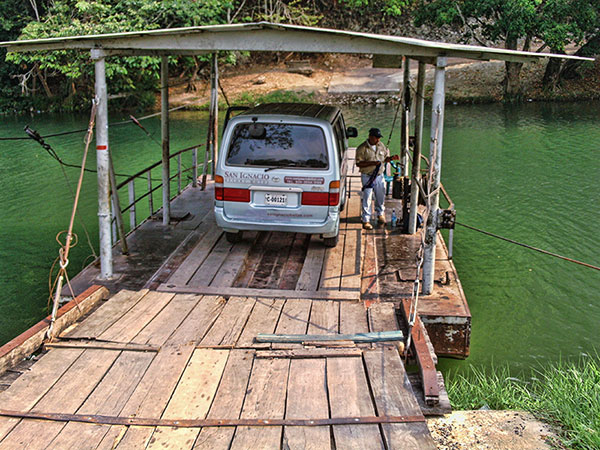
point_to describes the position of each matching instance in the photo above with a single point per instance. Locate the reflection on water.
(528, 172)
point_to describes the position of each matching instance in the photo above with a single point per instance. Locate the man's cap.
(375, 132)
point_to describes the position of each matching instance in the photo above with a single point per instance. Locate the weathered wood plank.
(394, 396)
(309, 353)
(293, 320)
(349, 397)
(106, 314)
(228, 327)
(310, 275)
(353, 318)
(26, 390)
(262, 320)
(295, 262)
(138, 316)
(268, 273)
(196, 257)
(307, 398)
(382, 317)
(251, 292)
(99, 345)
(351, 266)
(211, 265)
(369, 287)
(228, 401)
(265, 399)
(192, 398)
(253, 260)
(332, 266)
(108, 398)
(234, 261)
(324, 318)
(198, 322)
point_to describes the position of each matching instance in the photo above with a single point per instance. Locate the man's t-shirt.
(368, 152)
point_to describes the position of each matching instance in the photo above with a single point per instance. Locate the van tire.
(331, 241)
(233, 237)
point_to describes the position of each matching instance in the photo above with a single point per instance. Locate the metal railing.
(146, 174)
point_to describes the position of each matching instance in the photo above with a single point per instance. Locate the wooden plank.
(228, 327)
(190, 265)
(268, 273)
(394, 397)
(106, 314)
(324, 318)
(228, 401)
(349, 397)
(66, 395)
(293, 320)
(211, 265)
(234, 262)
(26, 390)
(306, 398)
(108, 398)
(192, 398)
(265, 399)
(351, 266)
(295, 262)
(198, 322)
(250, 292)
(382, 317)
(262, 320)
(31, 340)
(253, 260)
(309, 353)
(332, 266)
(99, 345)
(353, 318)
(369, 287)
(137, 317)
(171, 316)
(310, 275)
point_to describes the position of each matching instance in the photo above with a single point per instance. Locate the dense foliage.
(37, 79)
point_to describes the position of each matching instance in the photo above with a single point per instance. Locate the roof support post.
(416, 167)
(214, 108)
(164, 122)
(435, 161)
(103, 162)
(405, 120)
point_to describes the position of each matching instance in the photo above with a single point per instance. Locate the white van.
(282, 167)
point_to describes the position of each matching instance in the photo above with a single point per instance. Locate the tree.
(515, 24)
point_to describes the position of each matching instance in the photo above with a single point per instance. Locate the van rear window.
(277, 145)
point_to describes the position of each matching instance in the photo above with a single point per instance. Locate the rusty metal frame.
(198, 423)
(423, 357)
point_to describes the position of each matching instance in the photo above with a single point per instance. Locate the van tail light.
(331, 198)
(334, 193)
(218, 187)
(236, 195)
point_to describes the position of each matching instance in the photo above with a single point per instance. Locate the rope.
(530, 247)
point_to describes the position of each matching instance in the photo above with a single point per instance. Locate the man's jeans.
(378, 189)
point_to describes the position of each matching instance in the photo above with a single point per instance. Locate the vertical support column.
(164, 121)
(214, 103)
(405, 120)
(435, 156)
(416, 167)
(102, 162)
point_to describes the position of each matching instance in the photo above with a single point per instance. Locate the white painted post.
(214, 99)
(437, 133)
(416, 167)
(195, 167)
(102, 162)
(132, 218)
(164, 91)
(405, 132)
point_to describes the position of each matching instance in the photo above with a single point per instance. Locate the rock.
(260, 80)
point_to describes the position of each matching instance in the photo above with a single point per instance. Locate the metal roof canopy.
(265, 36)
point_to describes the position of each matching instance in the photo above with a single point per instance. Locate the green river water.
(529, 172)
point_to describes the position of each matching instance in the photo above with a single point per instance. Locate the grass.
(566, 395)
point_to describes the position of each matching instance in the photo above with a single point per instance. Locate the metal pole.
(117, 206)
(102, 162)
(405, 127)
(195, 167)
(416, 168)
(164, 120)
(437, 133)
(132, 218)
(214, 99)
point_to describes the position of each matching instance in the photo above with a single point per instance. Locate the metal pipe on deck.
(416, 168)
(435, 155)
(164, 121)
(102, 162)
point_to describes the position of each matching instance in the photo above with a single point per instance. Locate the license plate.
(275, 199)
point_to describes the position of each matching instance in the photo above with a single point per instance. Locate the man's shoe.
(381, 219)
(367, 226)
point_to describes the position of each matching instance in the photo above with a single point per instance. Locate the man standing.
(371, 157)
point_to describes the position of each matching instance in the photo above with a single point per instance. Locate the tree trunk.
(591, 48)
(512, 80)
(552, 72)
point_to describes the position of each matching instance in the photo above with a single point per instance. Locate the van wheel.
(331, 241)
(233, 237)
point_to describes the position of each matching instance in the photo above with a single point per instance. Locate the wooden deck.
(183, 347)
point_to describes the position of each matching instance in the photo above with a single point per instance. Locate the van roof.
(313, 110)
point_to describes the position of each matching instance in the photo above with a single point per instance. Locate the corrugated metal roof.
(265, 36)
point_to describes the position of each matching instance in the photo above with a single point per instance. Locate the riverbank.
(467, 83)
